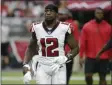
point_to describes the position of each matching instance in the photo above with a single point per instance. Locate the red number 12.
(48, 50)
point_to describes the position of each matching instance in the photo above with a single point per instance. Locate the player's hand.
(82, 61)
(26, 68)
(64, 59)
(61, 60)
(27, 77)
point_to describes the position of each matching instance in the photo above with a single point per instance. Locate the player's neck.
(50, 24)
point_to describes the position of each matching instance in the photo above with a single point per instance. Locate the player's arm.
(73, 44)
(105, 48)
(31, 49)
(30, 52)
(76, 33)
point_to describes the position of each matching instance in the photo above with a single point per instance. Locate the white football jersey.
(51, 42)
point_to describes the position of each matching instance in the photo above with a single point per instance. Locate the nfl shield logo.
(49, 32)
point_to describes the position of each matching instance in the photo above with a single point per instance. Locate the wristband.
(69, 56)
(26, 65)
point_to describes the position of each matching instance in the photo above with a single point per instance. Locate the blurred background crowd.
(18, 15)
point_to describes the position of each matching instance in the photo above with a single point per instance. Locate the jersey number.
(48, 45)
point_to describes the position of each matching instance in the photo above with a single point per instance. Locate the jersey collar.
(50, 31)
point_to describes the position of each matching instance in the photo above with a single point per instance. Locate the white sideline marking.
(72, 78)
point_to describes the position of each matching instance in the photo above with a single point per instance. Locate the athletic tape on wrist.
(26, 65)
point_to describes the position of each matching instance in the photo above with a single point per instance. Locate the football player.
(50, 36)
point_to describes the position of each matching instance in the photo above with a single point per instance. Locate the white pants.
(44, 75)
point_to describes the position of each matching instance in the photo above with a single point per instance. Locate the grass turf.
(16, 74)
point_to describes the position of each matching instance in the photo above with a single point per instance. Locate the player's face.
(50, 14)
(99, 14)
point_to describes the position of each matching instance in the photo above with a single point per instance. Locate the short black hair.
(53, 7)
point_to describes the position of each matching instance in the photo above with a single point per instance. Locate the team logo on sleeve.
(70, 30)
(31, 28)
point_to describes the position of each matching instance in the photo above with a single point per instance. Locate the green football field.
(16, 77)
